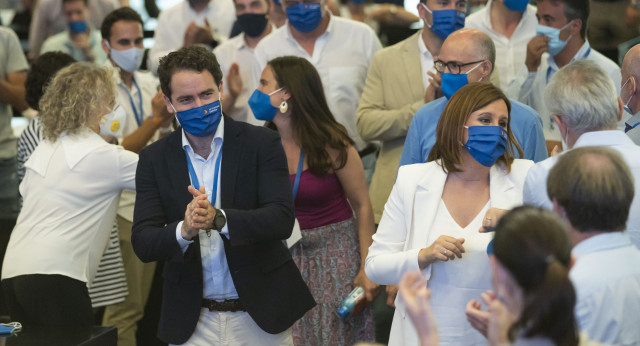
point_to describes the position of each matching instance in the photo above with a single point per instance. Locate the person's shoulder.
(605, 63)
(56, 40)
(7, 34)
(227, 46)
(343, 25)
(416, 171)
(522, 111)
(431, 111)
(393, 52)
(159, 147)
(249, 132)
(147, 79)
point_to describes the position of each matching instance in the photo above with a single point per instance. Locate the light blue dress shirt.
(535, 185)
(606, 277)
(525, 124)
(217, 281)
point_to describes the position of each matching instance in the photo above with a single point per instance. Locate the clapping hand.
(415, 297)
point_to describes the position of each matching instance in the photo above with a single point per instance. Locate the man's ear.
(105, 47)
(558, 209)
(167, 103)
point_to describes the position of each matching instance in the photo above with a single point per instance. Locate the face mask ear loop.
(430, 12)
(174, 109)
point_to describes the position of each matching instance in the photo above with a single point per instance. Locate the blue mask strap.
(194, 177)
(296, 183)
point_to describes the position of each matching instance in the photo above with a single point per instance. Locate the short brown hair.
(450, 130)
(594, 186)
(194, 58)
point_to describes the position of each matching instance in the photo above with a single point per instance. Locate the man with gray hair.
(592, 189)
(630, 91)
(470, 52)
(584, 104)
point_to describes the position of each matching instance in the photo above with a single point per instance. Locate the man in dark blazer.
(217, 222)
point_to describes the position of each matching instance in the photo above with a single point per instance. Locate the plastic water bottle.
(350, 301)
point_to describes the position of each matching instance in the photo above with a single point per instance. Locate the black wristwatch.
(219, 220)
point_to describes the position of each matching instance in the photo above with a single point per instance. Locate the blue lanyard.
(139, 116)
(296, 183)
(194, 177)
(583, 57)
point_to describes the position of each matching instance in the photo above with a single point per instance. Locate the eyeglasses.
(453, 66)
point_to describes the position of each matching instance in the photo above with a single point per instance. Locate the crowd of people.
(476, 179)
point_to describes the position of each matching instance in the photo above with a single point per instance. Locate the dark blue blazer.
(256, 196)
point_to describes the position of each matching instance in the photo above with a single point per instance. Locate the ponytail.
(548, 310)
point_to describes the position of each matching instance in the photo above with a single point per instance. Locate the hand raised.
(443, 249)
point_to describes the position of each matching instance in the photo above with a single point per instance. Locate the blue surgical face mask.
(626, 104)
(486, 143)
(200, 121)
(127, 59)
(304, 17)
(516, 5)
(453, 82)
(260, 104)
(555, 44)
(77, 27)
(445, 21)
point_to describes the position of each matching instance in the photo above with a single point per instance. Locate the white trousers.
(233, 329)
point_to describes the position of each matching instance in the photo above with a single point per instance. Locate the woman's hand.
(371, 291)
(491, 219)
(478, 318)
(443, 249)
(500, 320)
(415, 296)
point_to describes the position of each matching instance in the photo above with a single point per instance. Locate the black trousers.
(48, 301)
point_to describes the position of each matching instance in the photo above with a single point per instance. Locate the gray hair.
(487, 48)
(584, 96)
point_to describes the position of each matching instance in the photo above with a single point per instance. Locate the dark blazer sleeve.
(153, 233)
(272, 217)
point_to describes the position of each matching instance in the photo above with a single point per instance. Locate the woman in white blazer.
(432, 219)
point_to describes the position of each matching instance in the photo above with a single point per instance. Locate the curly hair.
(75, 98)
(42, 71)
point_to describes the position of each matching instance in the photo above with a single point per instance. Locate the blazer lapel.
(501, 189)
(425, 205)
(412, 66)
(232, 148)
(177, 167)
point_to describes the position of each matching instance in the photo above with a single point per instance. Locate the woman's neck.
(471, 170)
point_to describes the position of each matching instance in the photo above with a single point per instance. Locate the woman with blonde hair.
(71, 187)
(432, 219)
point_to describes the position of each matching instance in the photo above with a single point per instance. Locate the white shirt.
(216, 278)
(173, 22)
(535, 185)
(70, 189)
(426, 62)
(145, 85)
(606, 277)
(510, 52)
(236, 50)
(341, 55)
(528, 87)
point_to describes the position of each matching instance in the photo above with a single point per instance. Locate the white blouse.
(71, 190)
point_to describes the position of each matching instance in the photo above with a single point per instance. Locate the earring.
(284, 106)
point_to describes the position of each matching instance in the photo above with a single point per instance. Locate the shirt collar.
(424, 52)
(218, 138)
(603, 138)
(582, 53)
(601, 242)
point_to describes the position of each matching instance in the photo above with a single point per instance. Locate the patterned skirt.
(329, 259)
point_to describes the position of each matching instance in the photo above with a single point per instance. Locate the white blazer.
(407, 219)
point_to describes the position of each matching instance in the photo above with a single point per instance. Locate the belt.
(231, 305)
(370, 149)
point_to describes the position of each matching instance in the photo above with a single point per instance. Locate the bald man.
(470, 52)
(630, 92)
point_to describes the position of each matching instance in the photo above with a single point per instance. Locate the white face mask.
(127, 59)
(111, 124)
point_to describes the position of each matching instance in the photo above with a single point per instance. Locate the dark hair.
(575, 9)
(532, 244)
(86, 2)
(192, 58)
(123, 13)
(313, 123)
(450, 128)
(42, 71)
(594, 186)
